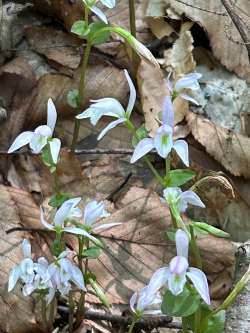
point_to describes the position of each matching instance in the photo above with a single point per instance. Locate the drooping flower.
(176, 275)
(42, 136)
(163, 140)
(189, 82)
(92, 7)
(110, 107)
(175, 197)
(144, 302)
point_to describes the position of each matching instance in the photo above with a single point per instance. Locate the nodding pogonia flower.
(42, 136)
(91, 6)
(144, 302)
(62, 273)
(175, 197)
(163, 140)
(110, 107)
(178, 272)
(188, 81)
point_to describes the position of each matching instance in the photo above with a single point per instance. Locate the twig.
(201, 9)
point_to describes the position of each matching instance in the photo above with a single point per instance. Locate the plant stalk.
(44, 314)
(195, 249)
(131, 327)
(71, 312)
(52, 313)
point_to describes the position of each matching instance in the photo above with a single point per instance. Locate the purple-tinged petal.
(13, 278)
(182, 242)
(158, 280)
(28, 289)
(26, 248)
(189, 98)
(110, 126)
(178, 265)
(200, 283)
(63, 213)
(20, 141)
(51, 115)
(132, 96)
(189, 81)
(168, 112)
(43, 221)
(163, 140)
(181, 148)
(191, 198)
(142, 148)
(55, 145)
(176, 283)
(100, 14)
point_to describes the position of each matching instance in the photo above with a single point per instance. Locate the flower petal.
(181, 148)
(80, 231)
(51, 115)
(199, 281)
(55, 145)
(189, 98)
(168, 112)
(142, 50)
(158, 280)
(189, 81)
(63, 213)
(100, 14)
(77, 277)
(132, 96)
(94, 211)
(171, 194)
(132, 302)
(26, 248)
(176, 283)
(191, 198)
(142, 148)
(13, 278)
(163, 140)
(106, 226)
(182, 243)
(43, 221)
(110, 126)
(108, 3)
(20, 141)
(178, 265)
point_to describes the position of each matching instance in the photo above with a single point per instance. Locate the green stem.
(132, 20)
(71, 312)
(184, 325)
(195, 249)
(81, 96)
(52, 313)
(132, 129)
(197, 321)
(56, 183)
(131, 327)
(44, 314)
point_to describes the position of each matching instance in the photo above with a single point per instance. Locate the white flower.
(63, 273)
(91, 6)
(110, 107)
(176, 274)
(163, 140)
(42, 136)
(145, 302)
(188, 81)
(175, 197)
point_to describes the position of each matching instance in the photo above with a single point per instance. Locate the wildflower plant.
(177, 289)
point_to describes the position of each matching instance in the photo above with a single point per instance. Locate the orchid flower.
(163, 140)
(63, 272)
(91, 6)
(42, 136)
(110, 107)
(145, 302)
(188, 81)
(175, 197)
(178, 272)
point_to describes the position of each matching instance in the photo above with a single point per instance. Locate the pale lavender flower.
(163, 140)
(144, 302)
(42, 136)
(110, 107)
(188, 81)
(175, 275)
(99, 13)
(174, 196)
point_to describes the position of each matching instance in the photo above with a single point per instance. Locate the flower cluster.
(43, 277)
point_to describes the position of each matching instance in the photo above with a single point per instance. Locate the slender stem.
(52, 313)
(184, 325)
(195, 249)
(71, 311)
(44, 314)
(56, 183)
(131, 327)
(132, 20)
(197, 321)
(81, 96)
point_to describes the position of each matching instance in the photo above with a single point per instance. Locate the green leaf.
(80, 28)
(98, 33)
(47, 158)
(217, 323)
(171, 234)
(141, 133)
(72, 98)
(182, 305)
(92, 252)
(58, 199)
(99, 292)
(179, 177)
(209, 229)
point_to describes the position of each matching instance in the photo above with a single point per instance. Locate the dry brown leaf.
(17, 313)
(232, 150)
(221, 31)
(160, 27)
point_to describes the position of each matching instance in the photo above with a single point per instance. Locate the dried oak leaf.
(18, 314)
(232, 150)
